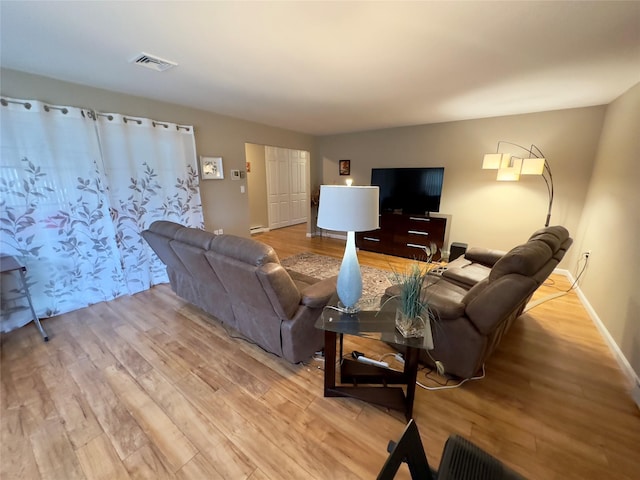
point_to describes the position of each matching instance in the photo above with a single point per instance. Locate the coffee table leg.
(329, 361)
(411, 372)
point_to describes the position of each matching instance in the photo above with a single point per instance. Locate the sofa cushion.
(158, 236)
(279, 288)
(554, 236)
(165, 228)
(490, 303)
(485, 256)
(245, 250)
(526, 259)
(467, 275)
(195, 237)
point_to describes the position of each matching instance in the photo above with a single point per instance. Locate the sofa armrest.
(318, 294)
(485, 256)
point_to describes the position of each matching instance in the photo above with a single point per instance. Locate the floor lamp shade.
(349, 209)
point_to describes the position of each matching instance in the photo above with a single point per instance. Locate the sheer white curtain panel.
(53, 211)
(77, 188)
(152, 175)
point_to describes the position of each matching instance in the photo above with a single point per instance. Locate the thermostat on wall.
(235, 174)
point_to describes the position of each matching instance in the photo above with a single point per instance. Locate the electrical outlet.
(587, 254)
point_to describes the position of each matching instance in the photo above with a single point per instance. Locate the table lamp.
(349, 209)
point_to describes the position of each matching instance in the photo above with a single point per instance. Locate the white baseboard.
(255, 230)
(625, 366)
(328, 234)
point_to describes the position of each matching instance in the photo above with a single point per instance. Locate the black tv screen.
(409, 190)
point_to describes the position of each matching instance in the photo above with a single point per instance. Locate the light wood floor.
(150, 387)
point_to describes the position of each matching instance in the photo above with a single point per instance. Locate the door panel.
(286, 186)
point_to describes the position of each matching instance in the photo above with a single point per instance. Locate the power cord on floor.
(561, 293)
(449, 387)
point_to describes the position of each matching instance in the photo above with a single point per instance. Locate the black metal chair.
(461, 460)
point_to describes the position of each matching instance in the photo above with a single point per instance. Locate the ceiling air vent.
(153, 62)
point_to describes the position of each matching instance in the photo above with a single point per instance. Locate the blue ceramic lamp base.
(349, 285)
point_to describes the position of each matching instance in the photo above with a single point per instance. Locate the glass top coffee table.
(369, 382)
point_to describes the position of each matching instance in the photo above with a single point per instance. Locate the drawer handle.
(422, 247)
(416, 232)
(371, 239)
(420, 219)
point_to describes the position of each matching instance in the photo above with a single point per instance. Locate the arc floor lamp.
(511, 166)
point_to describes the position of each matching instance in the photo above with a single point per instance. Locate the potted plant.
(413, 315)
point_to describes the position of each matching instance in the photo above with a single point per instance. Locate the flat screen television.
(409, 190)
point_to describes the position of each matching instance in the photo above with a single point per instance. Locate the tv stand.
(405, 235)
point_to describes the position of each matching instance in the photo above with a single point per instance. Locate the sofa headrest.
(554, 236)
(526, 259)
(245, 250)
(195, 237)
(165, 228)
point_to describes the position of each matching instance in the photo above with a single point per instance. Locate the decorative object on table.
(211, 168)
(345, 167)
(510, 167)
(413, 315)
(349, 209)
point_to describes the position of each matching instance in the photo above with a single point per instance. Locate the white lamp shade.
(348, 209)
(511, 171)
(491, 161)
(532, 166)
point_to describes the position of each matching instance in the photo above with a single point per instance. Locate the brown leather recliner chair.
(471, 320)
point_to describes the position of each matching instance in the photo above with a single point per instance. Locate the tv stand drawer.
(404, 235)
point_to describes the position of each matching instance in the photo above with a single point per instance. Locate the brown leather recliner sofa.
(479, 296)
(240, 282)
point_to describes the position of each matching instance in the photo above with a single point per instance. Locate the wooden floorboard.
(150, 387)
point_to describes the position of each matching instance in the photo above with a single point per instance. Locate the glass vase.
(415, 327)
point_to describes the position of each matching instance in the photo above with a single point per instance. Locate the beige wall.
(610, 227)
(223, 204)
(257, 186)
(484, 212)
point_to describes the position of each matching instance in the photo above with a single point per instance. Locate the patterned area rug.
(374, 280)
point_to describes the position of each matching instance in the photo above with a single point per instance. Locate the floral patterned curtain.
(151, 170)
(74, 196)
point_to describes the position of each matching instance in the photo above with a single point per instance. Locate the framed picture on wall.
(211, 168)
(345, 167)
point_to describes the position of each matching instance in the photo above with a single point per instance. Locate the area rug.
(374, 280)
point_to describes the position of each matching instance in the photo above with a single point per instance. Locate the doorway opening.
(278, 187)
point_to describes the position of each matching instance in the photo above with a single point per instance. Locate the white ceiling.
(332, 67)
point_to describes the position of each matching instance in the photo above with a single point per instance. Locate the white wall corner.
(625, 366)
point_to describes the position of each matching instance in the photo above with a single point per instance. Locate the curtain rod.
(6, 102)
(92, 114)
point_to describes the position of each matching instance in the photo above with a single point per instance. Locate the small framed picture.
(211, 168)
(345, 167)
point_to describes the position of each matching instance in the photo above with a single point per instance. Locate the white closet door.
(278, 182)
(298, 194)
